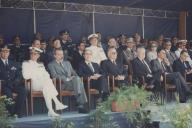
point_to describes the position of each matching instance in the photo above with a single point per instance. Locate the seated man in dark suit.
(169, 54)
(142, 69)
(182, 65)
(161, 66)
(78, 55)
(93, 70)
(112, 67)
(10, 74)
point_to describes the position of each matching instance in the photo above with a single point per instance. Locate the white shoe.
(53, 114)
(60, 106)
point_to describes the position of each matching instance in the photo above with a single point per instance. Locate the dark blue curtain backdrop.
(16, 21)
(157, 26)
(189, 28)
(49, 23)
(114, 25)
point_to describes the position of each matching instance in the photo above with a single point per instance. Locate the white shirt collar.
(59, 61)
(81, 52)
(179, 49)
(4, 60)
(129, 49)
(159, 60)
(87, 62)
(167, 50)
(32, 61)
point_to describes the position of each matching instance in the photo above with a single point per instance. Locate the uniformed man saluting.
(10, 74)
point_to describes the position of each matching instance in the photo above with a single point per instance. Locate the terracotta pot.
(117, 108)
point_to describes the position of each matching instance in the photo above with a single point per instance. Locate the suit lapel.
(60, 68)
(1, 63)
(141, 64)
(87, 67)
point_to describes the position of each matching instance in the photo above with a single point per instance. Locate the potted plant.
(5, 119)
(131, 100)
(127, 99)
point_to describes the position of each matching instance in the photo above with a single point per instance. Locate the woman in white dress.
(41, 81)
(98, 53)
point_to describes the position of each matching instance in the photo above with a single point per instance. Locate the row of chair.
(167, 88)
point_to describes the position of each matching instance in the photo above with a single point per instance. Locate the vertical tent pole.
(34, 18)
(143, 25)
(93, 18)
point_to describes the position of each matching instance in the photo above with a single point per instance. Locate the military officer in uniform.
(67, 45)
(41, 80)
(18, 51)
(10, 74)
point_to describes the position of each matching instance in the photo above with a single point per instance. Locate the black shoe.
(182, 100)
(83, 110)
(149, 87)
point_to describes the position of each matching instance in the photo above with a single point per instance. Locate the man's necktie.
(145, 64)
(185, 64)
(114, 62)
(163, 66)
(89, 64)
(6, 65)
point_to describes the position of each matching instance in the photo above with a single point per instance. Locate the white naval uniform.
(98, 54)
(41, 81)
(40, 78)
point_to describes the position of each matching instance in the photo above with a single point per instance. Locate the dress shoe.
(149, 86)
(60, 106)
(83, 110)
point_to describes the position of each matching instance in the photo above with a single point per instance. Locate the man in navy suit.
(112, 67)
(10, 74)
(93, 70)
(142, 69)
(182, 65)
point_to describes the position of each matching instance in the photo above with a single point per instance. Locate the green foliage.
(60, 123)
(127, 96)
(5, 119)
(181, 117)
(100, 119)
(140, 118)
